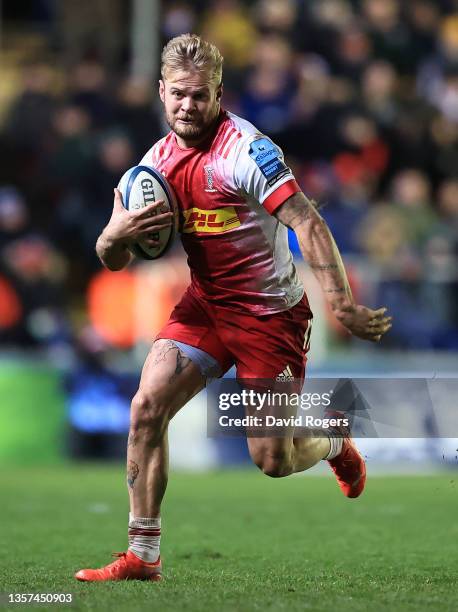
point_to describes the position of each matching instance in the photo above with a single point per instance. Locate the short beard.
(192, 133)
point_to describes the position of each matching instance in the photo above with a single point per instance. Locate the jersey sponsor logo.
(209, 179)
(279, 176)
(267, 157)
(214, 221)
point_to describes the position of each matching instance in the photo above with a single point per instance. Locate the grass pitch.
(237, 541)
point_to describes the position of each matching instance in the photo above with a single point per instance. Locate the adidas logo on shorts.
(285, 376)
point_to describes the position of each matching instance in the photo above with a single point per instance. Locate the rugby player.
(245, 305)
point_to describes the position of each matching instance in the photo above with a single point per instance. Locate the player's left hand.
(364, 322)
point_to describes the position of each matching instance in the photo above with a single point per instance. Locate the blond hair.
(189, 51)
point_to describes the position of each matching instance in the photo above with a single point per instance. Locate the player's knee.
(149, 415)
(275, 465)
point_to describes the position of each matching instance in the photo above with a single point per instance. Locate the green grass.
(238, 541)
(32, 413)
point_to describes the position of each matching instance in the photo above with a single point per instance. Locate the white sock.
(145, 537)
(335, 445)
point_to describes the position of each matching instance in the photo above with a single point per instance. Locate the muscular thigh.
(169, 377)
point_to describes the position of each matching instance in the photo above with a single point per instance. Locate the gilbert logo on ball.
(139, 187)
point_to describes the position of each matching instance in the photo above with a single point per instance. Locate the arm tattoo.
(324, 266)
(296, 210)
(132, 473)
(297, 215)
(338, 290)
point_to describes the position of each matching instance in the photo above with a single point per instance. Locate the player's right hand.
(130, 226)
(364, 322)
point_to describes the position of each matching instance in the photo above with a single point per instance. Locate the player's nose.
(187, 104)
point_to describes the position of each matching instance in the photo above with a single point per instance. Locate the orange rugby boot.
(126, 567)
(350, 469)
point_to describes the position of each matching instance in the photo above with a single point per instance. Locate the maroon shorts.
(263, 347)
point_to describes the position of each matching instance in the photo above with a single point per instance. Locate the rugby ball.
(140, 186)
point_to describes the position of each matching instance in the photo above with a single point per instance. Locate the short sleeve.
(261, 172)
(147, 159)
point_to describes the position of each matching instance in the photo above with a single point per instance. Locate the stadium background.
(363, 98)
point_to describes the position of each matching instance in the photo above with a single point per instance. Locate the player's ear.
(219, 92)
(161, 90)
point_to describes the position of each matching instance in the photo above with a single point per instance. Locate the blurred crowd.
(362, 96)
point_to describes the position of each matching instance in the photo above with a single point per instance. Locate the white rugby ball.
(140, 186)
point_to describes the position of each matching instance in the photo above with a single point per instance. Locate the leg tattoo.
(181, 364)
(132, 473)
(162, 353)
(132, 440)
